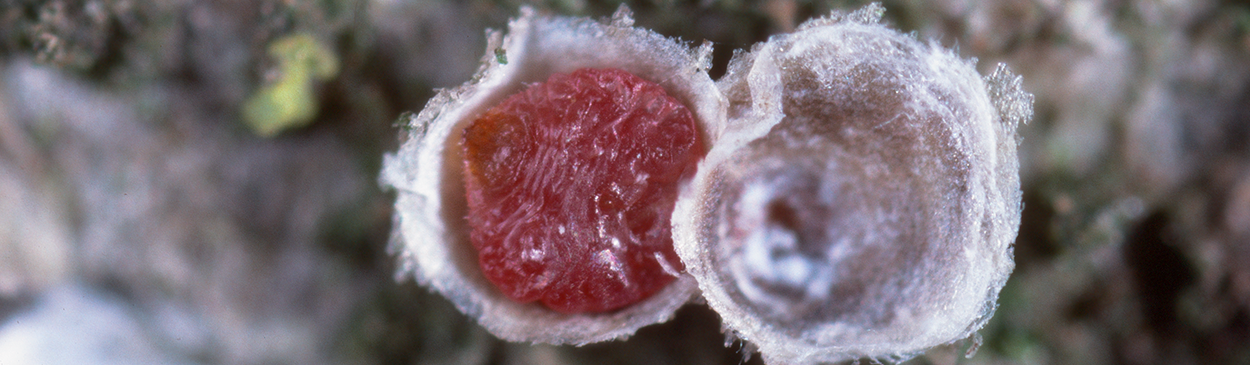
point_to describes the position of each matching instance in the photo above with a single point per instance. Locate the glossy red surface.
(571, 185)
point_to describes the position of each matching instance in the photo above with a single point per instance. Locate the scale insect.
(858, 196)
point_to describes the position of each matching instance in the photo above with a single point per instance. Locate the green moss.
(290, 101)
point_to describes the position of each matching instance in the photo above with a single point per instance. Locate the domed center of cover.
(571, 185)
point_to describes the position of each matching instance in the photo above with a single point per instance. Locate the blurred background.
(195, 182)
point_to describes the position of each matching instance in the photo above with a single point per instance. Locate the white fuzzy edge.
(431, 243)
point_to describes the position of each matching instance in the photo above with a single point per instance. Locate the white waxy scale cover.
(860, 197)
(431, 235)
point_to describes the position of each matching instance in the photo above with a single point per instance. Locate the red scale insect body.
(571, 185)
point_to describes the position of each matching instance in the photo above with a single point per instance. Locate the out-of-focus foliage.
(290, 101)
